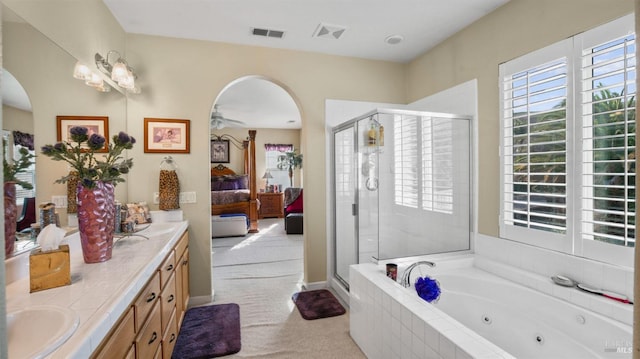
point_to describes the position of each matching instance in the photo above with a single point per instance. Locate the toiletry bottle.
(371, 136)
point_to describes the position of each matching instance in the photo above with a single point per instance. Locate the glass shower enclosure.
(401, 186)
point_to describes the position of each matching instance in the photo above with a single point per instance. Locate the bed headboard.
(221, 170)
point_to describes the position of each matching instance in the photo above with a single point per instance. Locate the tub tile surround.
(387, 321)
(533, 267)
(100, 292)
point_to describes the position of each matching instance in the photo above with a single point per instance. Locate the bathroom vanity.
(130, 306)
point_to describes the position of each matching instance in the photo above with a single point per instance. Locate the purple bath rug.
(208, 332)
(316, 304)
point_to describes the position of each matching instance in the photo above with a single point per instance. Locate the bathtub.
(478, 315)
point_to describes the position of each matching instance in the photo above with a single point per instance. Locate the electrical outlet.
(187, 197)
(59, 201)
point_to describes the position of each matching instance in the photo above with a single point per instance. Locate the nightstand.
(271, 205)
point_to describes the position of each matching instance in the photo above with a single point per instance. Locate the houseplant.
(97, 175)
(11, 171)
(290, 160)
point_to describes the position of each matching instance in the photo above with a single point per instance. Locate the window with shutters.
(423, 155)
(568, 145)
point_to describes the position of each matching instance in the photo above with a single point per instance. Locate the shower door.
(345, 236)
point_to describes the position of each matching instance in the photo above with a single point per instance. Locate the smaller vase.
(10, 217)
(96, 220)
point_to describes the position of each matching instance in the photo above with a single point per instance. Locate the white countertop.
(100, 292)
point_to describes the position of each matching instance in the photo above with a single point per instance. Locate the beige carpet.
(260, 272)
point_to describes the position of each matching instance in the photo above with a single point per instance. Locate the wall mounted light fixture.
(118, 70)
(90, 78)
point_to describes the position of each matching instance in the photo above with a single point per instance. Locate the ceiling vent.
(267, 33)
(329, 31)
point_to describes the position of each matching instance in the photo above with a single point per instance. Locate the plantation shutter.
(534, 144)
(406, 181)
(21, 193)
(608, 120)
(437, 165)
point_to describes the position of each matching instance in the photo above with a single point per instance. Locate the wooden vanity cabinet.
(149, 328)
(150, 336)
(182, 278)
(120, 344)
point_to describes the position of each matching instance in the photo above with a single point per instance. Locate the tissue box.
(49, 269)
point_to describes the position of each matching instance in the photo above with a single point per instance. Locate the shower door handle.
(354, 209)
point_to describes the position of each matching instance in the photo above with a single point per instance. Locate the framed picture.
(219, 151)
(95, 124)
(166, 135)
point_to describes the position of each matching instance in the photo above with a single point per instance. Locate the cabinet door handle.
(151, 297)
(154, 336)
(185, 262)
(171, 298)
(173, 337)
(170, 268)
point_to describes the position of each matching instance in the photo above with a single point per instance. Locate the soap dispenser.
(169, 191)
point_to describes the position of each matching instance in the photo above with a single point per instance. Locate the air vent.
(329, 31)
(278, 34)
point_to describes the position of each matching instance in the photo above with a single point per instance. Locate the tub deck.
(479, 315)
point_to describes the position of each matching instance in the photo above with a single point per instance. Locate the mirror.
(17, 132)
(45, 71)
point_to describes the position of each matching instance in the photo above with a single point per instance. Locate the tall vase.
(10, 217)
(96, 220)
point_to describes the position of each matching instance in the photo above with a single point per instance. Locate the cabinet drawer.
(182, 244)
(168, 301)
(145, 301)
(170, 336)
(150, 336)
(167, 268)
(121, 339)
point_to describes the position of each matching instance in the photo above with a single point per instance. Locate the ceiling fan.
(219, 122)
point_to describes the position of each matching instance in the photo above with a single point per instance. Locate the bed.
(236, 193)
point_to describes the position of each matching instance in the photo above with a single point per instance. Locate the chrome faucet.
(407, 272)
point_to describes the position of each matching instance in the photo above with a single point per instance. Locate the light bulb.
(119, 71)
(81, 72)
(95, 81)
(127, 82)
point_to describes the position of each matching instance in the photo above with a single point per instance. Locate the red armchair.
(292, 200)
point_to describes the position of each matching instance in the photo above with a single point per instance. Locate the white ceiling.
(13, 94)
(422, 24)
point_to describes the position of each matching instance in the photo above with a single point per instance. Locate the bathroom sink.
(37, 331)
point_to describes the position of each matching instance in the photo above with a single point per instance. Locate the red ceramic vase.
(10, 217)
(96, 216)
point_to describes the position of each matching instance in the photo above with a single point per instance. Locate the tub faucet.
(407, 272)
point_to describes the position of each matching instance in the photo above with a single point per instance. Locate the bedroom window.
(272, 151)
(568, 145)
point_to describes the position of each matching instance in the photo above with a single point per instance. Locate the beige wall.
(517, 28)
(182, 79)
(81, 27)
(15, 119)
